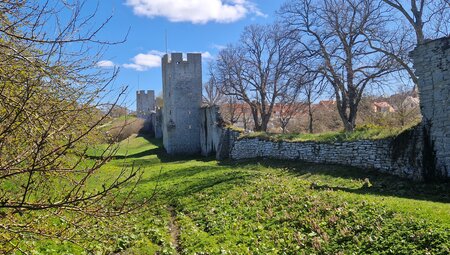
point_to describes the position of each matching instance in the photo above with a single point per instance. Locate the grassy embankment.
(269, 207)
(366, 132)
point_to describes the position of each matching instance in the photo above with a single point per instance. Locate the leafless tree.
(427, 18)
(288, 109)
(159, 100)
(212, 94)
(312, 90)
(333, 33)
(288, 104)
(410, 23)
(230, 109)
(50, 90)
(258, 70)
(406, 107)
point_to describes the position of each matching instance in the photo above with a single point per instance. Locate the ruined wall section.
(182, 95)
(211, 130)
(432, 65)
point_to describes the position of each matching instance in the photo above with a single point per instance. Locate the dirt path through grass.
(174, 229)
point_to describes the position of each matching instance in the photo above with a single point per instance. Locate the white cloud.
(207, 56)
(218, 46)
(143, 62)
(105, 63)
(195, 11)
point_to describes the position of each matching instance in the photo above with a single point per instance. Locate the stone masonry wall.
(157, 123)
(145, 103)
(145, 108)
(211, 130)
(182, 95)
(432, 66)
(226, 143)
(382, 155)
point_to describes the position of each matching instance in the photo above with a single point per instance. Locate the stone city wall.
(399, 156)
(422, 153)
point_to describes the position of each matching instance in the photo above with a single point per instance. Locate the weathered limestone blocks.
(432, 65)
(211, 130)
(145, 103)
(387, 155)
(182, 95)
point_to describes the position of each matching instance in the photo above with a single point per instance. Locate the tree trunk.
(347, 120)
(264, 122)
(257, 127)
(310, 118)
(348, 125)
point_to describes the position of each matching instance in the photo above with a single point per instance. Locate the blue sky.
(192, 26)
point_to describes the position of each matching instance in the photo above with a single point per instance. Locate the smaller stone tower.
(182, 95)
(145, 103)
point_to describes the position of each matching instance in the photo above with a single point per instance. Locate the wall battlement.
(178, 58)
(145, 92)
(145, 103)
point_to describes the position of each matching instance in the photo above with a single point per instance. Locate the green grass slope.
(203, 206)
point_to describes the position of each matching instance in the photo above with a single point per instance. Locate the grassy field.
(202, 206)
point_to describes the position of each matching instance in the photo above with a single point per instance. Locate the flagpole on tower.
(166, 42)
(139, 81)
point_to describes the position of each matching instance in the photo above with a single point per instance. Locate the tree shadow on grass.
(370, 181)
(220, 182)
(186, 181)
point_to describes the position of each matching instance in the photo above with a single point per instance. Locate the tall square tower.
(145, 103)
(182, 96)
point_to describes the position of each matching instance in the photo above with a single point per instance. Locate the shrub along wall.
(400, 156)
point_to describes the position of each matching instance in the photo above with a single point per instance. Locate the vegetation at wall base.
(364, 132)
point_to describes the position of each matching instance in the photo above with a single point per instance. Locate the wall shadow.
(162, 155)
(159, 151)
(378, 183)
(375, 182)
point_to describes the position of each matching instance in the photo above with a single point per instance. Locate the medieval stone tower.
(182, 96)
(145, 103)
